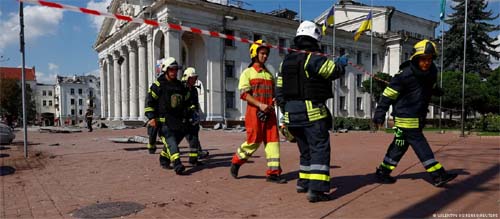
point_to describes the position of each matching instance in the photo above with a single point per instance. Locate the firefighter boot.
(165, 162)
(383, 176)
(202, 154)
(441, 177)
(194, 161)
(178, 167)
(276, 179)
(151, 148)
(315, 196)
(234, 170)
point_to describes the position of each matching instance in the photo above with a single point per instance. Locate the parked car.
(6, 134)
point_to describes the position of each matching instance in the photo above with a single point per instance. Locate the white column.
(172, 44)
(110, 88)
(102, 64)
(143, 84)
(133, 82)
(117, 87)
(124, 83)
(151, 62)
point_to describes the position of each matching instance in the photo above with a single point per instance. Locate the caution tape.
(184, 28)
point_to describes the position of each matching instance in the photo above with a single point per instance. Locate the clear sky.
(60, 42)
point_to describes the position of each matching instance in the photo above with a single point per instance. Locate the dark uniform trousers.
(193, 139)
(314, 147)
(171, 139)
(153, 134)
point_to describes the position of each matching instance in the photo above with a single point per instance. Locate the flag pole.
(300, 11)
(441, 78)
(23, 76)
(333, 57)
(463, 73)
(371, 64)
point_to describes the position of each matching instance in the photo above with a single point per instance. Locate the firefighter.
(257, 88)
(165, 107)
(153, 131)
(409, 93)
(189, 79)
(304, 84)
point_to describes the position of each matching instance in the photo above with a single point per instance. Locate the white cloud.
(38, 21)
(98, 5)
(53, 68)
(96, 73)
(45, 78)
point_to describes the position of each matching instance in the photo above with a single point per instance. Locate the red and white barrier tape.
(183, 28)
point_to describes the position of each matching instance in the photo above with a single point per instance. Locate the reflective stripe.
(305, 65)
(391, 93)
(175, 156)
(153, 94)
(150, 146)
(314, 176)
(192, 107)
(434, 168)
(315, 114)
(193, 154)
(157, 83)
(387, 166)
(286, 120)
(273, 164)
(149, 109)
(164, 154)
(162, 119)
(429, 162)
(410, 123)
(390, 161)
(320, 167)
(279, 81)
(327, 69)
(305, 168)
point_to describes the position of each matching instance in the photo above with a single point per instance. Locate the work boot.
(234, 170)
(301, 189)
(194, 161)
(315, 196)
(178, 167)
(276, 179)
(383, 176)
(152, 150)
(165, 162)
(441, 177)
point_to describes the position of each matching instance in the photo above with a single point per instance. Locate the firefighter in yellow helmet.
(409, 93)
(256, 86)
(189, 79)
(304, 84)
(165, 107)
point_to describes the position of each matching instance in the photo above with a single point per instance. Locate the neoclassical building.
(128, 52)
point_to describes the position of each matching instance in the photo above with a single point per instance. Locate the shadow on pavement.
(213, 161)
(4, 155)
(4, 148)
(452, 192)
(7, 170)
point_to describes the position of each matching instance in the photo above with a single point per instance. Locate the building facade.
(128, 52)
(73, 96)
(45, 104)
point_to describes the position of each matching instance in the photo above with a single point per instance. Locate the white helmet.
(168, 63)
(308, 28)
(189, 72)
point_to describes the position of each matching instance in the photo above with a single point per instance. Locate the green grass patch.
(488, 133)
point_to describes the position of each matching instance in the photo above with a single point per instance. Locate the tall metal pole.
(23, 73)
(371, 64)
(333, 57)
(463, 72)
(441, 78)
(300, 11)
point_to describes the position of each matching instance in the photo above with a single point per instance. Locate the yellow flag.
(330, 18)
(365, 25)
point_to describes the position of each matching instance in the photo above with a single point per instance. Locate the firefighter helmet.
(424, 47)
(254, 48)
(189, 72)
(308, 28)
(169, 63)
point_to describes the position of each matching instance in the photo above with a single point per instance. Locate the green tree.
(11, 99)
(379, 84)
(479, 43)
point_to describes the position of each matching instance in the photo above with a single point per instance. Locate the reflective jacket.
(409, 93)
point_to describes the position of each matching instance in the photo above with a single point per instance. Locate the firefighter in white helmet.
(165, 107)
(304, 83)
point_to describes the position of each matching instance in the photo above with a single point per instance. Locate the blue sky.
(60, 42)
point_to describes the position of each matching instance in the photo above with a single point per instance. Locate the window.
(80, 91)
(282, 44)
(359, 80)
(230, 100)
(342, 103)
(228, 42)
(359, 57)
(229, 69)
(80, 112)
(91, 93)
(342, 81)
(359, 103)
(72, 112)
(44, 93)
(80, 102)
(50, 93)
(72, 101)
(374, 58)
(72, 91)
(257, 37)
(44, 103)
(50, 102)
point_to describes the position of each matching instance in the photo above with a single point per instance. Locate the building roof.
(16, 73)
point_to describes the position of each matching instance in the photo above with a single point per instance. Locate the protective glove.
(262, 116)
(399, 139)
(379, 117)
(342, 60)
